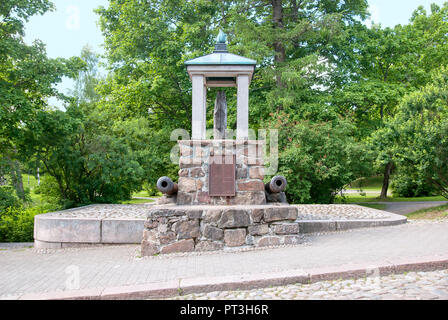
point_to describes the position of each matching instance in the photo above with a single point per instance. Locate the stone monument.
(220, 200)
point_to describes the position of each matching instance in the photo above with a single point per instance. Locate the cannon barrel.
(167, 186)
(276, 185)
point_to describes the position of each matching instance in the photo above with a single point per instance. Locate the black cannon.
(167, 186)
(276, 185)
(274, 190)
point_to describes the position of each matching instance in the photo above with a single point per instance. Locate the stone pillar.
(198, 108)
(242, 124)
(204, 113)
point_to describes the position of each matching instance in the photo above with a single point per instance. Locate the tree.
(384, 65)
(289, 39)
(88, 78)
(294, 43)
(420, 130)
(319, 158)
(146, 45)
(87, 164)
(27, 79)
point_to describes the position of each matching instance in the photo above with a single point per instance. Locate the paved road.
(405, 208)
(364, 191)
(413, 285)
(32, 271)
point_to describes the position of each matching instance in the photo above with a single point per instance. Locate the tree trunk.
(279, 48)
(220, 116)
(277, 8)
(386, 180)
(16, 178)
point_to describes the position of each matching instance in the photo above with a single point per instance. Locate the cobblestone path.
(413, 286)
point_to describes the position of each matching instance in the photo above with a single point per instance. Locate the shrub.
(49, 190)
(319, 159)
(87, 164)
(419, 133)
(409, 187)
(8, 198)
(17, 224)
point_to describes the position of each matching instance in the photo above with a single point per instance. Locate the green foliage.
(408, 186)
(330, 84)
(27, 80)
(319, 159)
(296, 46)
(150, 148)
(17, 224)
(419, 133)
(370, 183)
(50, 193)
(383, 65)
(146, 46)
(86, 166)
(8, 198)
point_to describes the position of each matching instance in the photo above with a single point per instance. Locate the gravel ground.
(413, 286)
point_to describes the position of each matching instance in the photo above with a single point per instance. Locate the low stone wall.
(112, 224)
(90, 225)
(170, 229)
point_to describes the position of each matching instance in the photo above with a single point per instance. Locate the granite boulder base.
(173, 228)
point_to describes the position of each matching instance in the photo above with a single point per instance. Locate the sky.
(74, 24)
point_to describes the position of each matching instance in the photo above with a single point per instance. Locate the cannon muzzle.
(276, 185)
(167, 186)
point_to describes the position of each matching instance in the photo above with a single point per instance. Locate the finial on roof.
(222, 37)
(221, 42)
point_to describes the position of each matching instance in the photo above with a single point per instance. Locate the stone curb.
(244, 282)
(15, 245)
(317, 226)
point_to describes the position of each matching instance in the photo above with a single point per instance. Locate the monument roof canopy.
(221, 58)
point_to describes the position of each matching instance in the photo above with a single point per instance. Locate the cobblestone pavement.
(104, 211)
(413, 285)
(32, 271)
(339, 212)
(140, 211)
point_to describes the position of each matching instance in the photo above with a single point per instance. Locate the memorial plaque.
(221, 179)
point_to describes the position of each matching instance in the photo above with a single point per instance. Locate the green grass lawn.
(355, 198)
(142, 194)
(369, 184)
(430, 213)
(136, 201)
(29, 181)
(373, 206)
